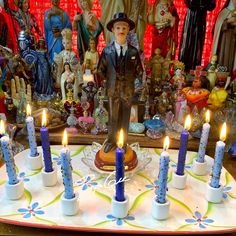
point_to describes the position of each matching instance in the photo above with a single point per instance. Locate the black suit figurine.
(119, 65)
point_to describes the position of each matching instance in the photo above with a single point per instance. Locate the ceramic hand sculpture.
(21, 95)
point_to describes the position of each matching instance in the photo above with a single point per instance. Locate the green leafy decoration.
(99, 224)
(183, 227)
(17, 169)
(34, 173)
(232, 195)
(139, 200)
(145, 177)
(15, 214)
(76, 172)
(136, 226)
(210, 208)
(45, 221)
(28, 195)
(180, 203)
(203, 179)
(98, 178)
(55, 152)
(78, 151)
(2, 182)
(169, 176)
(222, 227)
(228, 178)
(53, 201)
(103, 196)
(192, 157)
(157, 151)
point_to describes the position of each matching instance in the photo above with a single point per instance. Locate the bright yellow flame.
(121, 139)
(166, 143)
(65, 138)
(223, 132)
(44, 118)
(187, 123)
(28, 110)
(2, 127)
(208, 114)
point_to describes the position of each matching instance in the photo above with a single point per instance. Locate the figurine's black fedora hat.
(120, 16)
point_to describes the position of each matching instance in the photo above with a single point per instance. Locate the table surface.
(8, 229)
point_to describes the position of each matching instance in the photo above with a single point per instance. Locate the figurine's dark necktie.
(121, 53)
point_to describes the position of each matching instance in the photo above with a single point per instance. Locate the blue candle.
(204, 139)
(31, 133)
(183, 147)
(120, 195)
(46, 145)
(9, 160)
(219, 154)
(66, 169)
(163, 173)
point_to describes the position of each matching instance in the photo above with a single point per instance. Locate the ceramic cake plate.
(189, 210)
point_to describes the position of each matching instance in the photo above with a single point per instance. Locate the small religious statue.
(55, 20)
(156, 64)
(91, 59)
(101, 118)
(87, 26)
(211, 69)
(43, 84)
(92, 56)
(224, 45)
(164, 103)
(67, 77)
(218, 95)
(68, 56)
(90, 91)
(197, 95)
(193, 34)
(26, 21)
(178, 80)
(163, 16)
(166, 67)
(181, 106)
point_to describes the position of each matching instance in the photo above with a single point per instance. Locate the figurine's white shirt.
(117, 46)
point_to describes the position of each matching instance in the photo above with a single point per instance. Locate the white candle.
(31, 132)
(219, 154)
(204, 139)
(66, 169)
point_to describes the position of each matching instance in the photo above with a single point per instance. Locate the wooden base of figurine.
(106, 161)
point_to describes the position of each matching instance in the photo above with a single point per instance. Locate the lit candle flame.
(208, 116)
(223, 132)
(187, 123)
(2, 127)
(121, 139)
(44, 118)
(65, 138)
(28, 110)
(166, 143)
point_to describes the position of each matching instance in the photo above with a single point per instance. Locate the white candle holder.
(70, 207)
(214, 195)
(120, 209)
(179, 181)
(34, 163)
(160, 211)
(49, 178)
(15, 191)
(199, 168)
